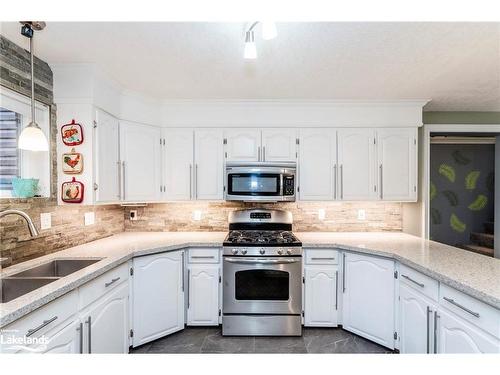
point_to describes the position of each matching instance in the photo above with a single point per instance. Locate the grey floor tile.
(216, 343)
(189, 340)
(326, 340)
(143, 349)
(293, 345)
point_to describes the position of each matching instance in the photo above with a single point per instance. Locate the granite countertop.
(474, 274)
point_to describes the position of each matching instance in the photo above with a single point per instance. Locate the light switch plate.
(361, 215)
(89, 218)
(45, 220)
(196, 215)
(321, 214)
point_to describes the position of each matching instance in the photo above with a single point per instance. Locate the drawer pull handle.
(322, 258)
(44, 324)
(452, 301)
(202, 257)
(111, 282)
(413, 281)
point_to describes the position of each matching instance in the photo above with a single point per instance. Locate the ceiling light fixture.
(268, 32)
(32, 137)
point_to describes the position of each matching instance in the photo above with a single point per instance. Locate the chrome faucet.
(24, 215)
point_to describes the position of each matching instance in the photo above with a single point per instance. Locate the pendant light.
(32, 137)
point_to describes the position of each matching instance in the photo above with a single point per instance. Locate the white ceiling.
(456, 65)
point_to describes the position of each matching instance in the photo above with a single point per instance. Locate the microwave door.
(255, 184)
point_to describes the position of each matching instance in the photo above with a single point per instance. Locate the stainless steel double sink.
(21, 283)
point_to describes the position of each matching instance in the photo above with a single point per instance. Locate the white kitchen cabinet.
(178, 164)
(203, 294)
(318, 160)
(63, 340)
(279, 144)
(397, 164)
(141, 162)
(368, 297)
(416, 330)
(321, 296)
(208, 164)
(455, 335)
(243, 144)
(158, 296)
(106, 323)
(356, 164)
(107, 158)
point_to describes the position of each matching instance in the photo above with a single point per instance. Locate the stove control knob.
(262, 251)
(289, 251)
(243, 252)
(280, 252)
(234, 251)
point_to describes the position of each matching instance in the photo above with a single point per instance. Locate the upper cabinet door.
(107, 158)
(208, 167)
(158, 296)
(397, 164)
(178, 166)
(368, 299)
(318, 158)
(279, 144)
(356, 164)
(243, 144)
(140, 155)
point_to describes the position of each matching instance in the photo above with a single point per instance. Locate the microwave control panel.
(288, 185)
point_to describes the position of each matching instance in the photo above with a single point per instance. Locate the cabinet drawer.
(322, 256)
(45, 318)
(476, 312)
(204, 255)
(94, 289)
(418, 281)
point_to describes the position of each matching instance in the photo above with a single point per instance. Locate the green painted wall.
(461, 117)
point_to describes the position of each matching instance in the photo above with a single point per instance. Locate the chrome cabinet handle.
(322, 258)
(336, 290)
(413, 281)
(182, 255)
(196, 181)
(202, 257)
(258, 153)
(89, 322)
(123, 177)
(260, 261)
(335, 181)
(264, 153)
(428, 329)
(436, 317)
(190, 181)
(381, 183)
(80, 329)
(119, 195)
(189, 275)
(452, 301)
(111, 282)
(341, 181)
(44, 324)
(343, 274)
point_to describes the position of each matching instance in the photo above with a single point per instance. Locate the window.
(10, 165)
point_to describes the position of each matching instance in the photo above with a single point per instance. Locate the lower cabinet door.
(158, 296)
(203, 297)
(457, 336)
(321, 296)
(416, 321)
(65, 340)
(107, 331)
(368, 297)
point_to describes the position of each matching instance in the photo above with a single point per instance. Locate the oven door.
(262, 285)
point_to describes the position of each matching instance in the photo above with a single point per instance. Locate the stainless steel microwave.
(261, 182)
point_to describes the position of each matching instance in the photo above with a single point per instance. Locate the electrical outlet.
(361, 215)
(321, 214)
(197, 215)
(89, 218)
(132, 215)
(45, 220)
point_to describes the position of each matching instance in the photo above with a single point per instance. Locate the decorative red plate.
(72, 191)
(72, 134)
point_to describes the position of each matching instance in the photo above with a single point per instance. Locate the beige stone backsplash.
(340, 216)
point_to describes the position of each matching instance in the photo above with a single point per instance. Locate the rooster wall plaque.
(72, 162)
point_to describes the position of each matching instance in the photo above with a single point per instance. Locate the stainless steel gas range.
(262, 268)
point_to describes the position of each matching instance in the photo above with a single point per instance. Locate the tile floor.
(210, 340)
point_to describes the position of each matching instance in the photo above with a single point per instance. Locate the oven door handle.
(261, 261)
